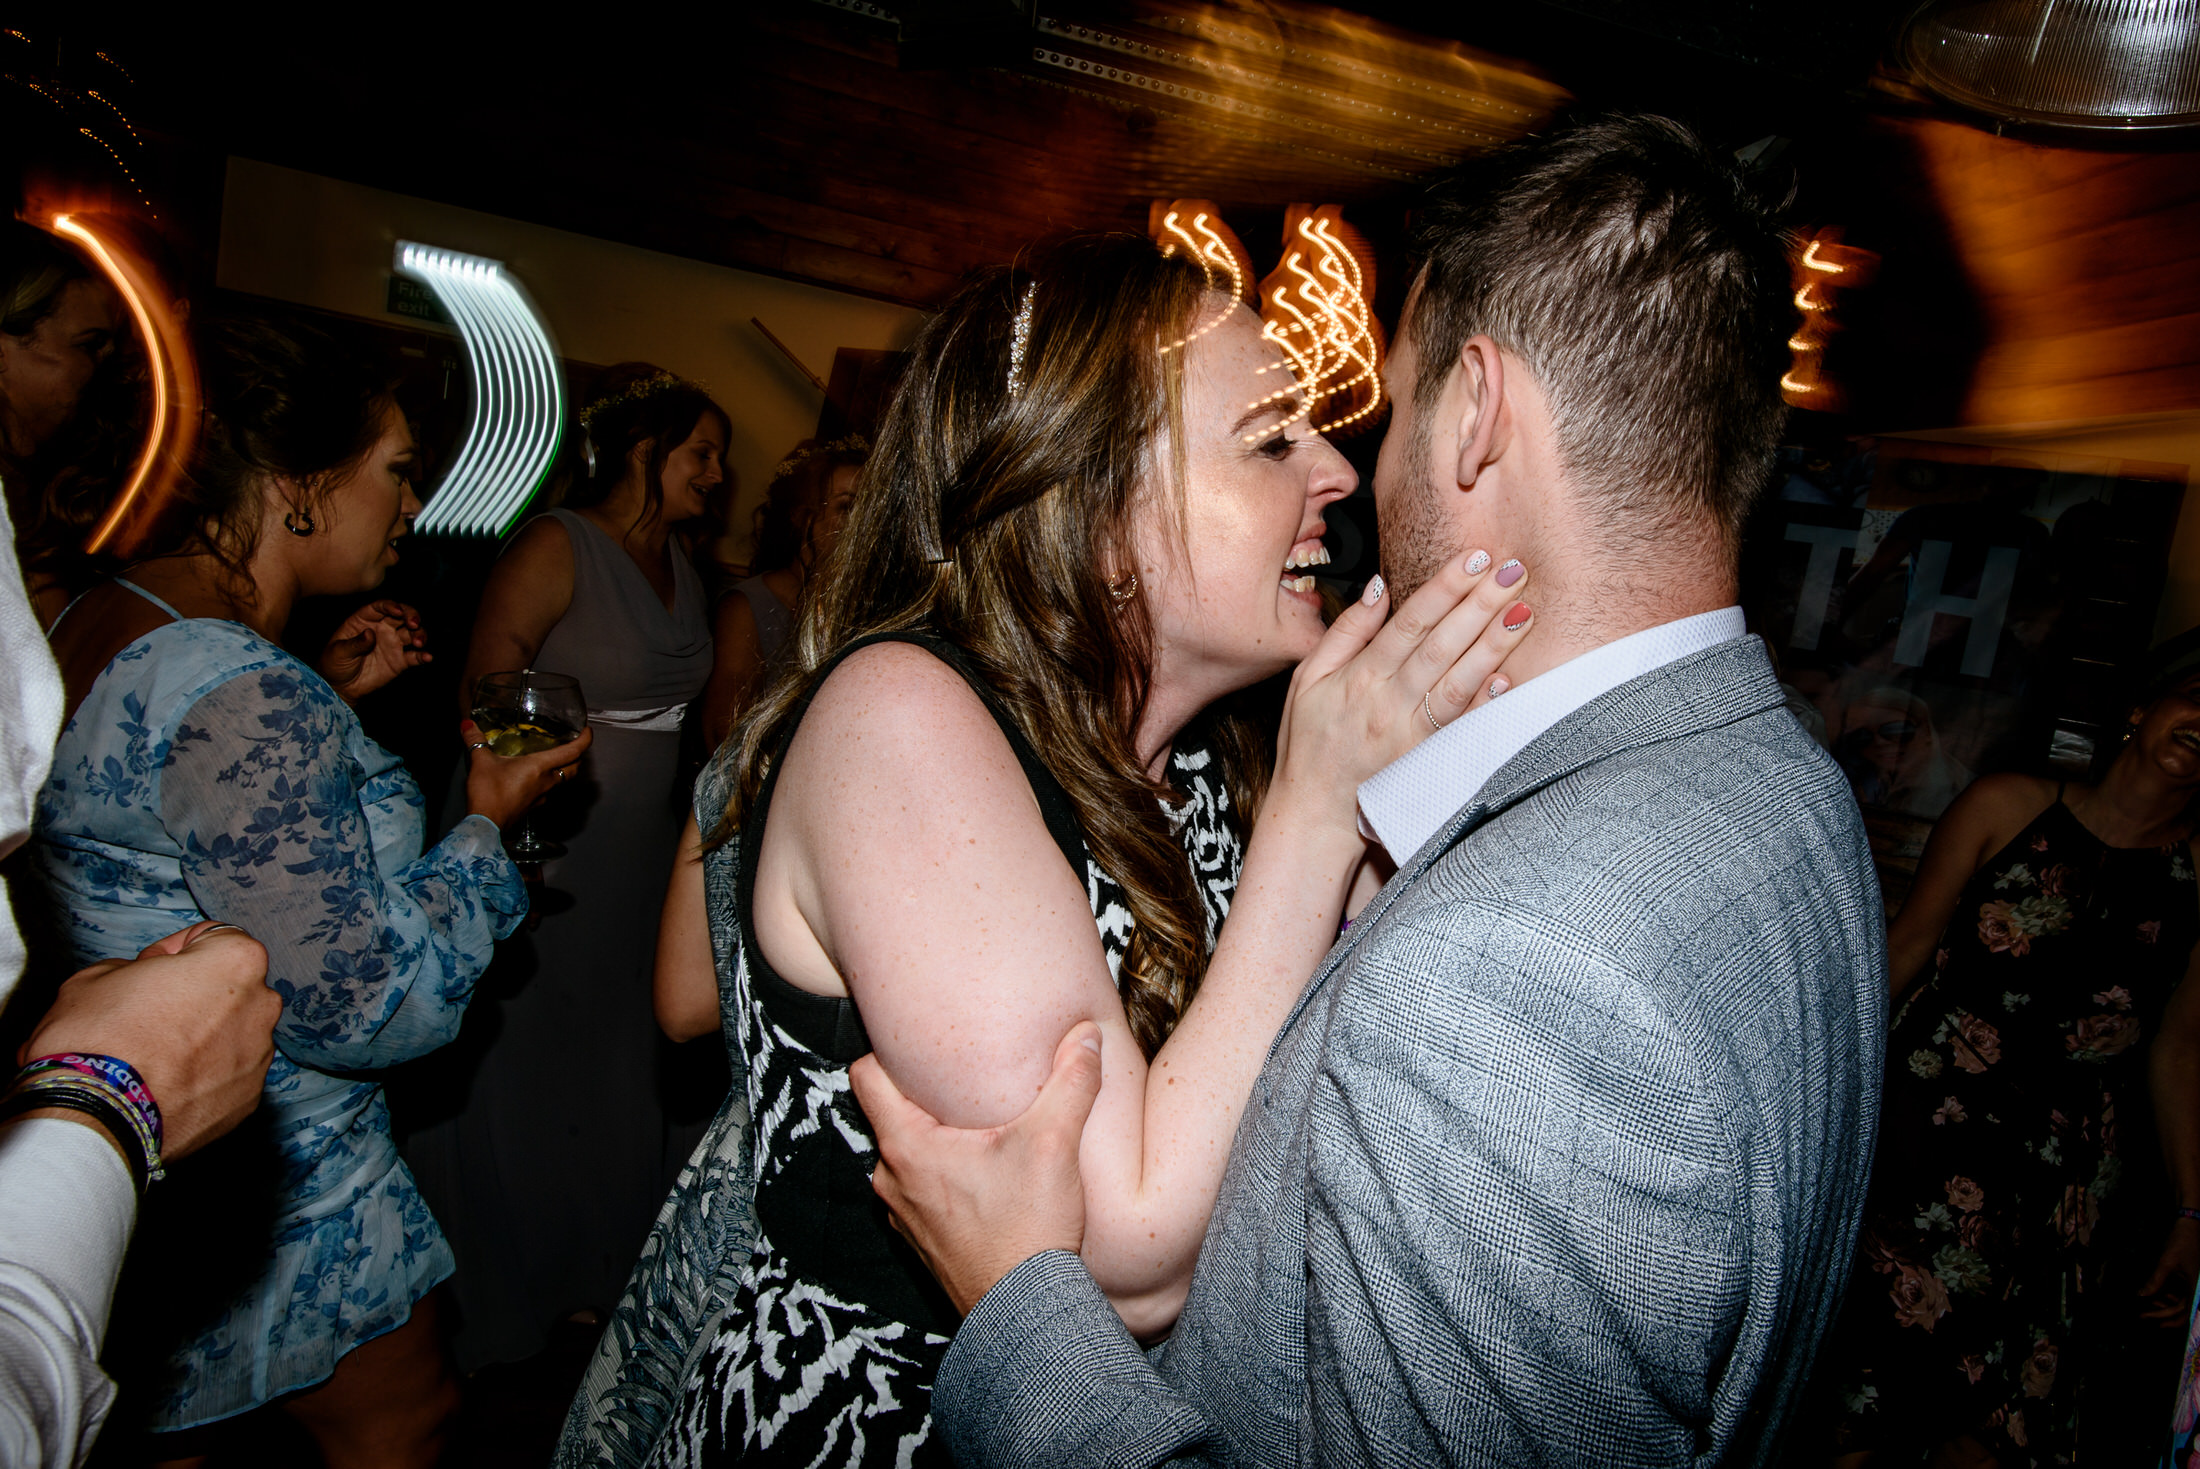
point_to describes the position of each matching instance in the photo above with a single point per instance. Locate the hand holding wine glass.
(527, 733)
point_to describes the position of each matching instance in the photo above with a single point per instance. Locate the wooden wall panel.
(2085, 268)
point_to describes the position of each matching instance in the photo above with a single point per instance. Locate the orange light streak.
(117, 157)
(1316, 310)
(1812, 262)
(1822, 270)
(173, 432)
(118, 112)
(1210, 242)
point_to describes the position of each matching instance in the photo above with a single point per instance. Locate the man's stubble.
(1412, 535)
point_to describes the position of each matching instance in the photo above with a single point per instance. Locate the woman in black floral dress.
(2025, 1245)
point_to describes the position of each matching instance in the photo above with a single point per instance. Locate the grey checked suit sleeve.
(1526, 1238)
(1044, 1373)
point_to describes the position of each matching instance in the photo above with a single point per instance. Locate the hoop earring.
(291, 519)
(1123, 593)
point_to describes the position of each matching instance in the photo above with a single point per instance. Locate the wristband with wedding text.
(50, 1079)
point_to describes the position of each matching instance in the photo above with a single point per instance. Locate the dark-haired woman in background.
(548, 1178)
(2029, 1247)
(205, 773)
(811, 493)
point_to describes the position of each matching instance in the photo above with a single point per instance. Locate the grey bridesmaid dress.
(565, 1114)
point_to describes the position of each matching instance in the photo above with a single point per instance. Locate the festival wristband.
(50, 1079)
(2184, 1213)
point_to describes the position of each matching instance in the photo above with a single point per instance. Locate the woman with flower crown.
(2029, 1248)
(547, 1175)
(1004, 786)
(807, 503)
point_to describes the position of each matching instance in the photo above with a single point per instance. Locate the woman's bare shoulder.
(542, 543)
(895, 729)
(899, 697)
(1994, 808)
(532, 579)
(733, 617)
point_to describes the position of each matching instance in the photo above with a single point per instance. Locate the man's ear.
(1481, 405)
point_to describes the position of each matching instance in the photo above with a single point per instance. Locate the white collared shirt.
(1409, 800)
(67, 1204)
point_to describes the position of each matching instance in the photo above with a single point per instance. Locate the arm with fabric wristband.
(104, 1088)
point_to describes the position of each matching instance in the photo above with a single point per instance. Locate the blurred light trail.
(174, 428)
(519, 392)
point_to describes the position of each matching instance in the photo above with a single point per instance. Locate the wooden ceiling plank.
(985, 102)
(823, 264)
(953, 225)
(970, 187)
(832, 227)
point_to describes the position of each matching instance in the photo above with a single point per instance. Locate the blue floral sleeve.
(374, 946)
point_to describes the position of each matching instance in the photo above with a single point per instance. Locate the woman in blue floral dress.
(205, 773)
(2034, 1222)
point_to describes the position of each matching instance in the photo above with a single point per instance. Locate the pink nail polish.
(1374, 592)
(1518, 617)
(1478, 563)
(1499, 684)
(1509, 573)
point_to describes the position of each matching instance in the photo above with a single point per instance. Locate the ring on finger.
(1428, 713)
(478, 745)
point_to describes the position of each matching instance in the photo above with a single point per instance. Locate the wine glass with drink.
(522, 712)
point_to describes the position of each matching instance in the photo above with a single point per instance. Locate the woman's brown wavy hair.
(991, 519)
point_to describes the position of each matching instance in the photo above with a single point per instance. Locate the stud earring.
(292, 522)
(1123, 592)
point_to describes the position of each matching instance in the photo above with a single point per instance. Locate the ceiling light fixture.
(2116, 65)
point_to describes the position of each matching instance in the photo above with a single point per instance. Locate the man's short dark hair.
(1645, 285)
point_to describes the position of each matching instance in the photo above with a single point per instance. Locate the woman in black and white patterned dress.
(1002, 791)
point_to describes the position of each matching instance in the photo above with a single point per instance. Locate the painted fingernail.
(1374, 592)
(1478, 563)
(1499, 684)
(1518, 617)
(1510, 572)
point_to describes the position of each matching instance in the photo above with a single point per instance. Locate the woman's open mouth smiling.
(1308, 552)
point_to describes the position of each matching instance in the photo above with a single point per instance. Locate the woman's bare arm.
(2173, 1076)
(737, 666)
(906, 864)
(527, 594)
(1979, 823)
(684, 987)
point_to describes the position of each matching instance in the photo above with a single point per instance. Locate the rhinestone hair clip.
(1019, 337)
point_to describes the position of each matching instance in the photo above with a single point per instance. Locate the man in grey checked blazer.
(1560, 1157)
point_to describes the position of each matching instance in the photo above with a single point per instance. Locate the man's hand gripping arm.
(1043, 1371)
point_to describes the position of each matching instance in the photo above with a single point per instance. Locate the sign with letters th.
(1939, 610)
